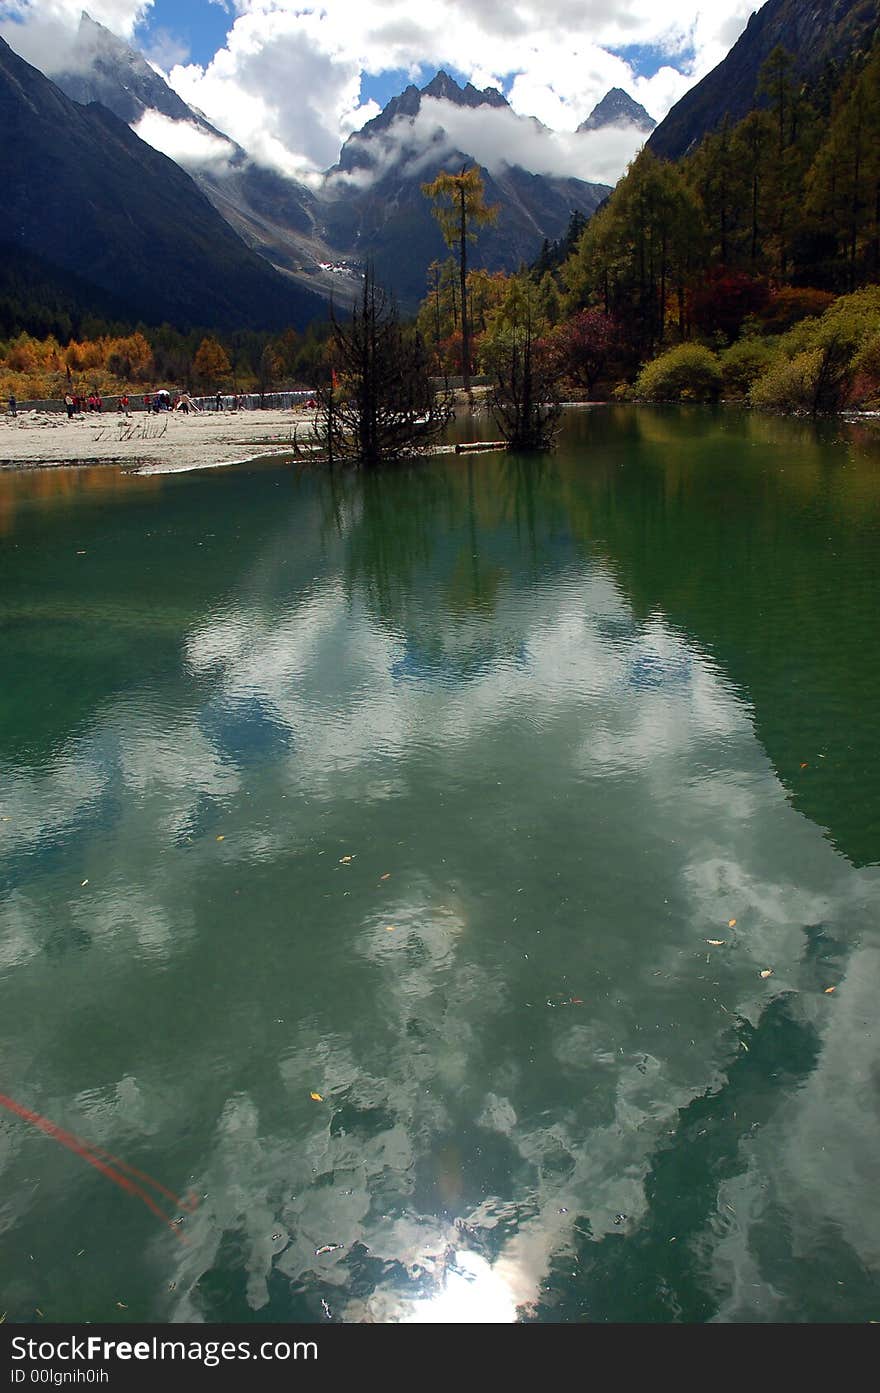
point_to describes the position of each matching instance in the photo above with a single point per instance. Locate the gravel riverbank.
(169, 441)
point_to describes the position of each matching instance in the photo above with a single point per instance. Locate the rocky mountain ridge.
(389, 212)
(318, 234)
(618, 108)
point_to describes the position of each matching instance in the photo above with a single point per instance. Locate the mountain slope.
(375, 207)
(275, 215)
(815, 32)
(84, 193)
(42, 299)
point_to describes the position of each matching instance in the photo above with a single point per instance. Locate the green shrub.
(790, 385)
(814, 382)
(865, 389)
(823, 362)
(800, 339)
(687, 373)
(848, 323)
(744, 362)
(852, 320)
(868, 357)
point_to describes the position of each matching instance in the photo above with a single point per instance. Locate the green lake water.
(436, 794)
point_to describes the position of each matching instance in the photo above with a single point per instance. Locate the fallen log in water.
(303, 455)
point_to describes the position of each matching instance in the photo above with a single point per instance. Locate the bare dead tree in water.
(378, 403)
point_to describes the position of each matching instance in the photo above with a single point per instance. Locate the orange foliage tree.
(211, 366)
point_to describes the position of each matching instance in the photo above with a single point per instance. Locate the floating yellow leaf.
(344, 860)
(316, 1097)
(731, 923)
(386, 876)
(805, 766)
(221, 838)
(829, 990)
(716, 942)
(767, 972)
(389, 928)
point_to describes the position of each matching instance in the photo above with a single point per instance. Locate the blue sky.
(199, 26)
(647, 59)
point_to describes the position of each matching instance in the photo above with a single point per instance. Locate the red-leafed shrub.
(724, 299)
(582, 348)
(792, 304)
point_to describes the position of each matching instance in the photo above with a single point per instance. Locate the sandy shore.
(170, 441)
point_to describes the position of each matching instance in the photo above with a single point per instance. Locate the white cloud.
(287, 83)
(43, 31)
(306, 63)
(183, 141)
(497, 137)
(278, 91)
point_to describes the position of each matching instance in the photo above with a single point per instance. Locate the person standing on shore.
(13, 405)
(69, 403)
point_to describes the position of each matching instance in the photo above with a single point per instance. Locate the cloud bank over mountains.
(496, 137)
(287, 84)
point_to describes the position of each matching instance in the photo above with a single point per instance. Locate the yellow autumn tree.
(130, 358)
(459, 205)
(23, 354)
(211, 366)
